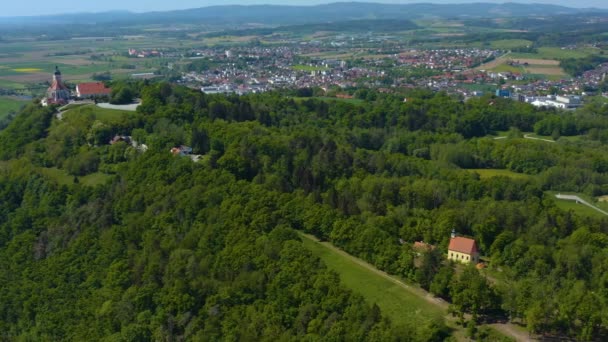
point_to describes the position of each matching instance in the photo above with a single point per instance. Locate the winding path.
(580, 200)
(527, 136)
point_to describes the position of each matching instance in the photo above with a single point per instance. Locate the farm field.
(507, 44)
(8, 104)
(556, 53)
(546, 68)
(31, 64)
(398, 304)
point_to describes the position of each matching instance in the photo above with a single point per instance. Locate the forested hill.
(102, 241)
(289, 15)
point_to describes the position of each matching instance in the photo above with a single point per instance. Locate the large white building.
(561, 102)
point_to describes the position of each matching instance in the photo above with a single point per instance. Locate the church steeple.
(57, 93)
(453, 233)
(57, 75)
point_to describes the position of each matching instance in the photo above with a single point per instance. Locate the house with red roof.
(92, 89)
(463, 250)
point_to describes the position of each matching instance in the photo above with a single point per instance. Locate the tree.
(429, 266)
(122, 95)
(440, 286)
(472, 293)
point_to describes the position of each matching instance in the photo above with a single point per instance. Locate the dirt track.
(508, 329)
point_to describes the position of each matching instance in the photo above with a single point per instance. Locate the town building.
(92, 89)
(57, 93)
(561, 102)
(463, 250)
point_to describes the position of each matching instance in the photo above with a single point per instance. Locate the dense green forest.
(171, 249)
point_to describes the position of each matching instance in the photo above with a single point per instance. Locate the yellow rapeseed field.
(27, 70)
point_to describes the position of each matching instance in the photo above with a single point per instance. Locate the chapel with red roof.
(463, 250)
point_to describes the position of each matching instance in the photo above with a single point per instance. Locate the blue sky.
(38, 7)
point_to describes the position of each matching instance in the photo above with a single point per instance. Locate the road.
(65, 108)
(527, 136)
(580, 200)
(505, 328)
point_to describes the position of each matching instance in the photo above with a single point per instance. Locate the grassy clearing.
(63, 178)
(400, 305)
(578, 208)
(101, 114)
(489, 173)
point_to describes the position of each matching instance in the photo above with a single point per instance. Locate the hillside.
(103, 240)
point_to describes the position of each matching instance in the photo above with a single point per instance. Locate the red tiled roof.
(421, 245)
(93, 88)
(463, 245)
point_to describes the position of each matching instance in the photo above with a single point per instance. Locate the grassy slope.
(489, 173)
(403, 304)
(102, 114)
(579, 209)
(400, 305)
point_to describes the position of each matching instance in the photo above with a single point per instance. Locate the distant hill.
(293, 15)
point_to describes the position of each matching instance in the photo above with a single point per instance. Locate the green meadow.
(400, 305)
(9, 104)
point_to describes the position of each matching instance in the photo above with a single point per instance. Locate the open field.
(400, 305)
(536, 61)
(508, 68)
(101, 114)
(507, 44)
(531, 66)
(8, 104)
(556, 53)
(579, 208)
(489, 173)
(63, 178)
(494, 63)
(543, 70)
(27, 63)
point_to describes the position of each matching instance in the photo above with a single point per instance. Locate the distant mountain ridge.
(285, 14)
